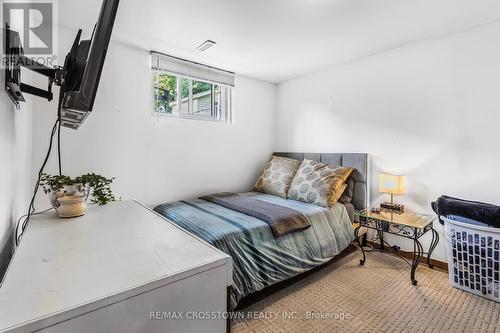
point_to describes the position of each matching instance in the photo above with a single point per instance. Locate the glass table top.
(409, 219)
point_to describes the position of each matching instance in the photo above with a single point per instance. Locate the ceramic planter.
(71, 206)
(69, 190)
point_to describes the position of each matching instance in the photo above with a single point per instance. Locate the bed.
(259, 258)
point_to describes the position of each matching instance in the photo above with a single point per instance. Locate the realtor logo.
(35, 23)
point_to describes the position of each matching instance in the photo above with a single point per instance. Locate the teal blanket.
(259, 258)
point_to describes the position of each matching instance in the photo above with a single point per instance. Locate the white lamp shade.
(393, 184)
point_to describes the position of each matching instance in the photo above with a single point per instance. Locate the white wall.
(15, 168)
(429, 110)
(160, 159)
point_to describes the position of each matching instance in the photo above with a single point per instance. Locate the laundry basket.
(473, 257)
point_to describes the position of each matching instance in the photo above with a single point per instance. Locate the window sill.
(190, 117)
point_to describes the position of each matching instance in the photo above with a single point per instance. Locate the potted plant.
(91, 184)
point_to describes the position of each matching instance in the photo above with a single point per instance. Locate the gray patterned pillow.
(277, 176)
(319, 183)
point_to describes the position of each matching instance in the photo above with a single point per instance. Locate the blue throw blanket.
(281, 219)
(259, 258)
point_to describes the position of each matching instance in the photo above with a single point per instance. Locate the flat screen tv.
(78, 78)
(83, 68)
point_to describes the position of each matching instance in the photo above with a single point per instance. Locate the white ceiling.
(276, 40)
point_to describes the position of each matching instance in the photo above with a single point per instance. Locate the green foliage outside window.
(166, 91)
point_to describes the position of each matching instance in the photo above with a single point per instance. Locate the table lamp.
(394, 185)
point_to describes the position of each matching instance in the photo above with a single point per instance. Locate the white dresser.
(119, 268)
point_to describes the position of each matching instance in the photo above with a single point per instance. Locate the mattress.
(260, 259)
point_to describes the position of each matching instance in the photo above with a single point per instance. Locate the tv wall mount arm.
(15, 59)
(54, 76)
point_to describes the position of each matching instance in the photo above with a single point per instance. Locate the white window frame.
(224, 114)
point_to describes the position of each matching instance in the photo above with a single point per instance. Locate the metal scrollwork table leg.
(418, 251)
(356, 234)
(434, 243)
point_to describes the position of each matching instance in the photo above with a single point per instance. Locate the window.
(189, 90)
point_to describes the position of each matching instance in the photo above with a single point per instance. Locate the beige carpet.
(377, 297)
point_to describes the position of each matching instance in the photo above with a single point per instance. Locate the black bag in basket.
(478, 211)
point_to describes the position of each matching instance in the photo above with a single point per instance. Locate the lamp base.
(390, 207)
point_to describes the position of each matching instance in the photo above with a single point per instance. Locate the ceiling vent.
(206, 45)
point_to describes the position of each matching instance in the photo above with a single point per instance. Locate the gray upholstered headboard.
(358, 161)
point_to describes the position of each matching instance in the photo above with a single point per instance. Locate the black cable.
(34, 213)
(31, 208)
(396, 252)
(62, 92)
(59, 145)
(57, 126)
